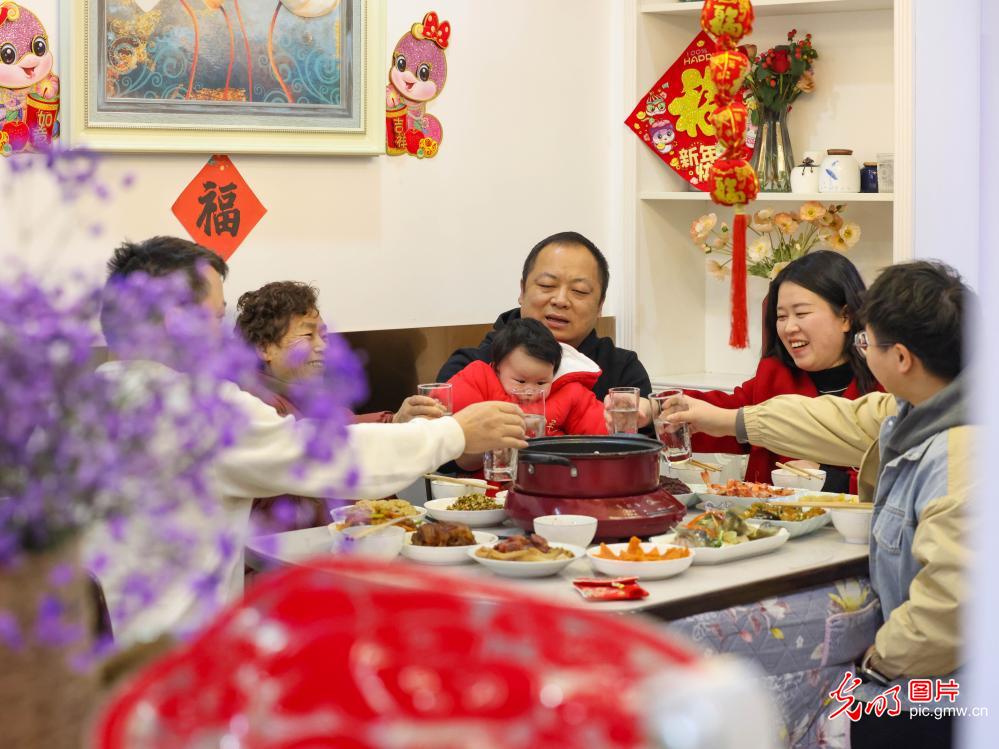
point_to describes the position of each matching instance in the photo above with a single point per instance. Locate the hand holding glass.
(622, 405)
(440, 392)
(675, 437)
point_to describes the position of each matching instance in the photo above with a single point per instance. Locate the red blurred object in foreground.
(348, 653)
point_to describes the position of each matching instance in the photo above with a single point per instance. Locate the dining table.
(819, 558)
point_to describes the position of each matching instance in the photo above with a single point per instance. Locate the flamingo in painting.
(302, 9)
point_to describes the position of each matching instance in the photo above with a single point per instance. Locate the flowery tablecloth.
(804, 641)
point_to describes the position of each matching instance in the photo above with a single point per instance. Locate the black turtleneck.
(832, 381)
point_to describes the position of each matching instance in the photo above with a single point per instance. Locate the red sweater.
(772, 378)
(570, 407)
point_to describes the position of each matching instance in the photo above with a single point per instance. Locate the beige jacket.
(921, 636)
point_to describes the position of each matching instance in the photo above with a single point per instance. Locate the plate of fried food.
(443, 543)
(646, 561)
(526, 556)
(717, 536)
(376, 512)
(798, 521)
(743, 493)
(474, 510)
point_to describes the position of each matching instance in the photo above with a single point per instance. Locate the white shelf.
(777, 197)
(772, 7)
(700, 380)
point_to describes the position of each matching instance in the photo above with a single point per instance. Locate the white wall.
(397, 242)
(947, 138)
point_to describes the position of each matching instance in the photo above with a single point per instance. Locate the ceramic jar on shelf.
(805, 176)
(840, 172)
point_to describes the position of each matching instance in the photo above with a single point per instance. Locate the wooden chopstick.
(478, 483)
(703, 466)
(830, 505)
(807, 473)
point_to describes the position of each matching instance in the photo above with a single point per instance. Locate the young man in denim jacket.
(913, 448)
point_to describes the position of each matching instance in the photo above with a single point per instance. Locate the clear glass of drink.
(675, 437)
(440, 392)
(500, 465)
(534, 425)
(622, 405)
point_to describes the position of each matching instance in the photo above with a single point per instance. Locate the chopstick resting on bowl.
(703, 466)
(375, 528)
(478, 483)
(830, 505)
(806, 472)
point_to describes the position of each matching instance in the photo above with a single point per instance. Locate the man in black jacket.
(563, 285)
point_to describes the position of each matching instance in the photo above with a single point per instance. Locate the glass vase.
(772, 157)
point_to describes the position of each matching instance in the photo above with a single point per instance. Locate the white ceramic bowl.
(789, 479)
(690, 475)
(853, 525)
(528, 569)
(641, 570)
(438, 509)
(444, 554)
(443, 489)
(383, 544)
(577, 530)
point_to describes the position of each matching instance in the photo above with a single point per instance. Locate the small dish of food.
(743, 493)
(443, 543)
(719, 536)
(646, 561)
(798, 521)
(474, 510)
(376, 512)
(526, 556)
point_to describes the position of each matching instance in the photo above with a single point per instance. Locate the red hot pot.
(614, 478)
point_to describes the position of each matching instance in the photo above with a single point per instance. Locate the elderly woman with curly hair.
(281, 321)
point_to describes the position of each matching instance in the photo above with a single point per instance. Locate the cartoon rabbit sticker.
(419, 70)
(29, 90)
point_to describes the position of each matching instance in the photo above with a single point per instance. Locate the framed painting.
(228, 76)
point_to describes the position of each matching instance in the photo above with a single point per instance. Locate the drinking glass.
(500, 465)
(675, 437)
(440, 392)
(622, 405)
(534, 426)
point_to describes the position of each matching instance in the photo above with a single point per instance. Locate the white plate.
(641, 570)
(529, 569)
(689, 500)
(723, 500)
(438, 509)
(340, 513)
(444, 554)
(723, 554)
(796, 528)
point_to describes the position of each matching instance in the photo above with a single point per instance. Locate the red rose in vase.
(780, 63)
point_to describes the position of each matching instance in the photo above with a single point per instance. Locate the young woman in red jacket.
(811, 318)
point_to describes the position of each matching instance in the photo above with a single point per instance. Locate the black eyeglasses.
(861, 342)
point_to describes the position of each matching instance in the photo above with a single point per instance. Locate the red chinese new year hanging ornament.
(733, 181)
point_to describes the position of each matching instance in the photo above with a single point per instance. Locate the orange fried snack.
(634, 553)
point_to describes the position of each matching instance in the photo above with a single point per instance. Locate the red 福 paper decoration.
(732, 180)
(673, 118)
(218, 208)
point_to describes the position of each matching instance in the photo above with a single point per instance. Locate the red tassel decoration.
(733, 180)
(739, 334)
